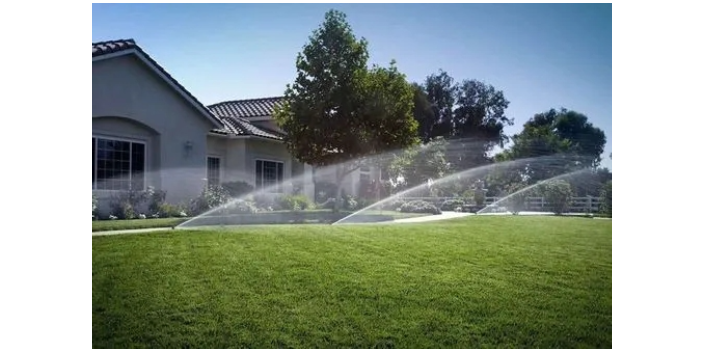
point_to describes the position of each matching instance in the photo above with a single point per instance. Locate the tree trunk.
(340, 175)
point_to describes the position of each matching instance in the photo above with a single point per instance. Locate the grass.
(110, 225)
(259, 218)
(476, 282)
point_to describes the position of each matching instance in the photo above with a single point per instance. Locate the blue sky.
(541, 55)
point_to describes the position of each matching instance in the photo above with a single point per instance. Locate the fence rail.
(588, 204)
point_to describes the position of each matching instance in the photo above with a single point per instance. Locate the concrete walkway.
(444, 216)
(127, 232)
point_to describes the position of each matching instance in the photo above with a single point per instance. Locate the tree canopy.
(470, 114)
(338, 110)
(565, 134)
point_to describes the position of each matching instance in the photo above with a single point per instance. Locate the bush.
(156, 199)
(349, 203)
(266, 202)
(479, 197)
(451, 204)
(324, 191)
(125, 203)
(605, 206)
(95, 205)
(328, 204)
(167, 210)
(240, 206)
(211, 197)
(394, 205)
(293, 202)
(421, 207)
(236, 189)
(558, 194)
(516, 202)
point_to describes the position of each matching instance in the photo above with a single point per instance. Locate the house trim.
(231, 136)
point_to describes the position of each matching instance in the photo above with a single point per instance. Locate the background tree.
(419, 164)
(566, 135)
(606, 205)
(337, 111)
(471, 115)
(441, 92)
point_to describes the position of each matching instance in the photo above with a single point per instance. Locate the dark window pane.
(279, 175)
(94, 165)
(259, 173)
(118, 162)
(137, 166)
(213, 171)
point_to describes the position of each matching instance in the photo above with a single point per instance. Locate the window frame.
(207, 168)
(131, 141)
(279, 183)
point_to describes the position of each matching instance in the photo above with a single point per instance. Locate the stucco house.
(149, 130)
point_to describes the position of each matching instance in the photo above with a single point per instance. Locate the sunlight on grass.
(479, 282)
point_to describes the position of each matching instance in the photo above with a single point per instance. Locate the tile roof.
(240, 127)
(115, 46)
(112, 46)
(246, 108)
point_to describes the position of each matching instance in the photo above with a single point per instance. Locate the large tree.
(422, 163)
(470, 114)
(338, 111)
(479, 121)
(565, 138)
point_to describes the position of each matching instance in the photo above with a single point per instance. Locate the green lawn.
(259, 218)
(110, 225)
(475, 282)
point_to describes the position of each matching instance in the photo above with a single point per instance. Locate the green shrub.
(293, 202)
(236, 189)
(394, 205)
(156, 198)
(211, 197)
(558, 195)
(124, 204)
(605, 206)
(266, 202)
(451, 204)
(167, 210)
(240, 206)
(516, 202)
(421, 207)
(95, 205)
(349, 202)
(324, 191)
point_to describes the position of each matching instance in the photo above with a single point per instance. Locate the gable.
(104, 52)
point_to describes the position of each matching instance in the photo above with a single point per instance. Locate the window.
(213, 171)
(269, 174)
(118, 165)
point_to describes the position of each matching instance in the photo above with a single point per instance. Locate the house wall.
(132, 101)
(239, 155)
